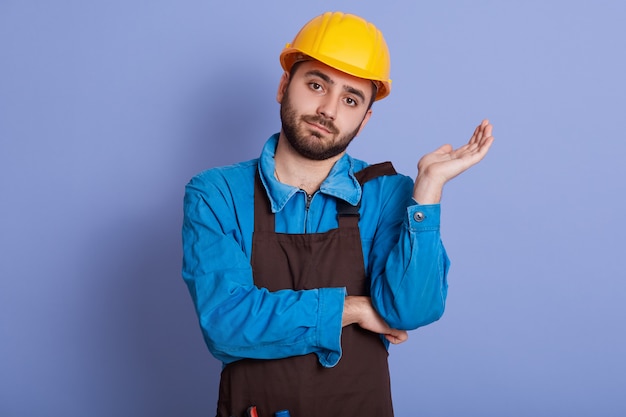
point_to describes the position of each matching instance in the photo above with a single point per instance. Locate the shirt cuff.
(331, 302)
(423, 218)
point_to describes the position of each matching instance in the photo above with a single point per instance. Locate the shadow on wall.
(145, 350)
(145, 354)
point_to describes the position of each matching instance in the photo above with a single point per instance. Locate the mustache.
(322, 122)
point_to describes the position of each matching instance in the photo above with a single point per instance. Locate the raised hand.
(443, 164)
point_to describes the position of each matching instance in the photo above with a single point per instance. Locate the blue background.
(107, 108)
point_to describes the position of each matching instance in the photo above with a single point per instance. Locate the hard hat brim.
(289, 56)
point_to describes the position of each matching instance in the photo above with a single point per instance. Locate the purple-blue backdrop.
(107, 108)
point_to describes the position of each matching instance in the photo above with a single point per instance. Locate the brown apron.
(359, 383)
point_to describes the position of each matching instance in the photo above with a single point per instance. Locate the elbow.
(427, 317)
(417, 316)
(217, 342)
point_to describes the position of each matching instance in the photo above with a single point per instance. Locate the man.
(304, 264)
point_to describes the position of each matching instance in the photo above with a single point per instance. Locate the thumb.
(444, 149)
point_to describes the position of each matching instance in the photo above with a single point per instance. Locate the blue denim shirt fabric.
(404, 259)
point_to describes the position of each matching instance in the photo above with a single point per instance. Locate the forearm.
(409, 290)
(248, 322)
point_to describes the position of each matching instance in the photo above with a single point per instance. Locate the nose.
(328, 107)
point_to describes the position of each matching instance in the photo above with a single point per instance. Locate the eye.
(351, 102)
(315, 86)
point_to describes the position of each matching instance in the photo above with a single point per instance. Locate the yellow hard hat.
(345, 42)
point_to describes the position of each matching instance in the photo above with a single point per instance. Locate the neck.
(295, 170)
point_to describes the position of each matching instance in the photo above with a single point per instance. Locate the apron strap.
(375, 171)
(263, 216)
(347, 214)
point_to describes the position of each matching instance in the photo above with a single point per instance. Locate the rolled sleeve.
(329, 326)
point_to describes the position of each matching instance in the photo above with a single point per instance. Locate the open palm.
(443, 164)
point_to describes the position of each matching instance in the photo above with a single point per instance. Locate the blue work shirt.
(404, 259)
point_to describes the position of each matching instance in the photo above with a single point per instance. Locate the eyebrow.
(329, 80)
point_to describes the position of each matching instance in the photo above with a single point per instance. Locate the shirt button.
(419, 216)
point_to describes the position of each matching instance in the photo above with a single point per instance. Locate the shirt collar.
(340, 183)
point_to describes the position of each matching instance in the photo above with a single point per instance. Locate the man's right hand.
(359, 310)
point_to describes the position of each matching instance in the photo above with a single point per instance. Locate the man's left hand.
(440, 166)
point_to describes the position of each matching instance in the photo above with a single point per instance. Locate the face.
(322, 109)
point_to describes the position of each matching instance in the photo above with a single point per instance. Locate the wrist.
(350, 310)
(427, 190)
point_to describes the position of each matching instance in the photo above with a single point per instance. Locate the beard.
(310, 144)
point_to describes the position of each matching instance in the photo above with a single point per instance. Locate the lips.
(320, 124)
(319, 127)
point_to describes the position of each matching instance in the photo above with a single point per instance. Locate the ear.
(282, 86)
(367, 116)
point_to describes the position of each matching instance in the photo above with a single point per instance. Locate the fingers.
(478, 145)
(397, 337)
(476, 134)
(482, 131)
(486, 139)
